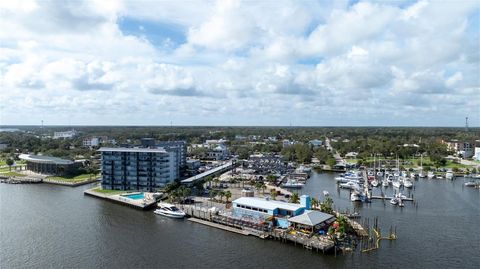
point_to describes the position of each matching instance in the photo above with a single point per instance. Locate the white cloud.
(249, 62)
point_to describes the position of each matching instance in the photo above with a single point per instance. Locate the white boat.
(326, 193)
(169, 210)
(430, 175)
(449, 175)
(385, 183)
(396, 184)
(470, 184)
(407, 183)
(400, 203)
(293, 184)
(374, 183)
(350, 185)
(421, 174)
(394, 201)
(357, 197)
(413, 176)
(341, 180)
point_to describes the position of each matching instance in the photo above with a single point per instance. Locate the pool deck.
(119, 199)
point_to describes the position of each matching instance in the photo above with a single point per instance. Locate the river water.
(48, 226)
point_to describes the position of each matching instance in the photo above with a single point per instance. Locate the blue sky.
(402, 63)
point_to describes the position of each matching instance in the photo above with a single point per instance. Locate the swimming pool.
(134, 196)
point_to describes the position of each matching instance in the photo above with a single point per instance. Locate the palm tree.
(264, 187)
(273, 194)
(221, 194)
(212, 194)
(294, 198)
(271, 178)
(313, 202)
(228, 194)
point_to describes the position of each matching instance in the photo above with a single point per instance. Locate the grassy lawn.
(76, 179)
(451, 164)
(112, 192)
(351, 161)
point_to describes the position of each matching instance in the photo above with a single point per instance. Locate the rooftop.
(44, 159)
(311, 218)
(267, 204)
(146, 150)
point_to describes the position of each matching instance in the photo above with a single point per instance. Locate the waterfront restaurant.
(48, 165)
(312, 220)
(263, 208)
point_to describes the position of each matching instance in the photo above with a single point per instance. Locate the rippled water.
(47, 226)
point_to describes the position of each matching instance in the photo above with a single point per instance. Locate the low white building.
(65, 135)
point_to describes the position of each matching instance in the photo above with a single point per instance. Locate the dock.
(219, 226)
(390, 197)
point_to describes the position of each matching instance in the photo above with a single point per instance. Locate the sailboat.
(421, 174)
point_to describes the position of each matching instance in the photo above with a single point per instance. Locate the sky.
(281, 63)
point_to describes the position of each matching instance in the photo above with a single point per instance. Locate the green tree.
(9, 162)
(271, 178)
(228, 195)
(273, 194)
(221, 194)
(294, 198)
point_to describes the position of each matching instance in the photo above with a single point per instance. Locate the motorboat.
(350, 185)
(341, 180)
(396, 184)
(407, 183)
(357, 197)
(293, 184)
(470, 184)
(385, 183)
(400, 203)
(430, 175)
(169, 210)
(374, 183)
(326, 193)
(394, 201)
(449, 175)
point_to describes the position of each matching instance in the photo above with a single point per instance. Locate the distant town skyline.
(240, 63)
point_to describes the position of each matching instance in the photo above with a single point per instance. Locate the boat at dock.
(293, 184)
(396, 184)
(470, 184)
(449, 175)
(407, 183)
(430, 175)
(169, 210)
(350, 185)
